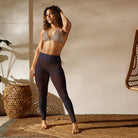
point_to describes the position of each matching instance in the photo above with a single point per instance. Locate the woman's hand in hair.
(61, 11)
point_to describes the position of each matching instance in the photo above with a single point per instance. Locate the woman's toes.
(74, 131)
(43, 127)
(78, 130)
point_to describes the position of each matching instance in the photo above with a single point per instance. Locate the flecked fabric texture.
(50, 66)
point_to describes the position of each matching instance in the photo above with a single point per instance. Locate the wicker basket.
(17, 100)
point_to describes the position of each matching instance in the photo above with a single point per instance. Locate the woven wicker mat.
(91, 126)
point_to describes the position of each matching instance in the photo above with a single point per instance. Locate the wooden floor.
(91, 126)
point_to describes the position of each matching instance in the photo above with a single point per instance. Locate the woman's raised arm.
(66, 23)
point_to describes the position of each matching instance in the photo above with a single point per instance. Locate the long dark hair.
(56, 12)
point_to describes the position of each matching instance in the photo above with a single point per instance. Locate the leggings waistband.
(49, 58)
(49, 55)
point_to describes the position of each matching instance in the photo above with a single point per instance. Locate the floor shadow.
(133, 121)
(106, 121)
(107, 127)
(103, 127)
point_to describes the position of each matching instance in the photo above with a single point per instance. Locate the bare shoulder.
(42, 31)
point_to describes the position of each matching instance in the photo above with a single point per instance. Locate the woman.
(47, 61)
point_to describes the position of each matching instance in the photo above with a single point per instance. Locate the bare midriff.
(51, 47)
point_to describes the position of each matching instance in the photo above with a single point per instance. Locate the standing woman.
(47, 62)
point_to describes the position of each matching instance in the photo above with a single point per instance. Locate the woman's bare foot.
(43, 125)
(75, 128)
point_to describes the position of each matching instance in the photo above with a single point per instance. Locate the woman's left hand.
(61, 12)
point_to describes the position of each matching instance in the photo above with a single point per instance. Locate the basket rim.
(18, 85)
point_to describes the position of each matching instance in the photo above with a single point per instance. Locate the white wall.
(14, 61)
(97, 53)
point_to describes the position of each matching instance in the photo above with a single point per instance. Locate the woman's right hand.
(32, 74)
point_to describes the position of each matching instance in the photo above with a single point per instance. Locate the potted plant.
(2, 112)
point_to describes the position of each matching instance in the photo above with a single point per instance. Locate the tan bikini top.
(58, 37)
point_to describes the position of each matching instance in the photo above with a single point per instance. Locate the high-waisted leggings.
(50, 65)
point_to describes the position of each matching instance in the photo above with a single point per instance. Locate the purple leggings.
(50, 65)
